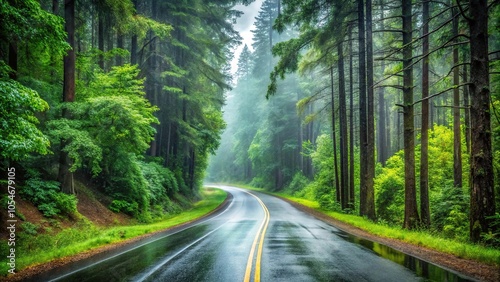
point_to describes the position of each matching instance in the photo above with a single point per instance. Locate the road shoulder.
(31, 272)
(474, 269)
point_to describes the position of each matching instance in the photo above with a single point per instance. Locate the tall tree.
(351, 122)
(344, 173)
(457, 136)
(411, 217)
(338, 191)
(482, 191)
(424, 136)
(363, 123)
(370, 144)
(382, 148)
(65, 175)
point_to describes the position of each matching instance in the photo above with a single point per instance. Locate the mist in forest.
(349, 112)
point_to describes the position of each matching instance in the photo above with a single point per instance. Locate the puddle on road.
(428, 271)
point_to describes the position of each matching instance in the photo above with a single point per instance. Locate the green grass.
(85, 236)
(419, 237)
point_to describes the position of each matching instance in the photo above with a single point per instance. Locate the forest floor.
(471, 268)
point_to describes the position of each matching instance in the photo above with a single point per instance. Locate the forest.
(125, 95)
(385, 109)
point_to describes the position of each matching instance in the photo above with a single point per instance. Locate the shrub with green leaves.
(323, 184)
(19, 134)
(124, 206)
(449, 205)
(47, 197)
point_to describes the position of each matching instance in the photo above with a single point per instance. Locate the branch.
(399, 87)
(454, 107)
(441, 92)
(455, 66)
(422, 57)
(463, 12)
(388, 30)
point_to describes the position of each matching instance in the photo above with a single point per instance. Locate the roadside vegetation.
(37, 244)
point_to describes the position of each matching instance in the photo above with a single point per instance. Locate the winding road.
(255, 237)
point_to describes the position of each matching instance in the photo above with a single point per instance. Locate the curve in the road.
(243, 242)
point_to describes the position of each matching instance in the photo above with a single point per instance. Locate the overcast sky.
(244, 25)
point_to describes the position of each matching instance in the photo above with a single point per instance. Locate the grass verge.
(85, 236)
(423, 238)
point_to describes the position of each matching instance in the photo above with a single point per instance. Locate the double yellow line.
(261, 233)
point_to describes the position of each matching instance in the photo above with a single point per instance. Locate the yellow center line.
(261, 232)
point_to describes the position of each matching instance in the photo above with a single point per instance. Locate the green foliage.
(449, 205)
(19, 134)
(299, 182)
(80, 146)
(389, 190)
(23, 21)
(124, 206)
(29, 228)
(46, 196)
(323, 183)
(161, 182)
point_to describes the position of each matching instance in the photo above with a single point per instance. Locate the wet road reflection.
(296, 247)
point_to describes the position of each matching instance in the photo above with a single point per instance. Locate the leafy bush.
(161, 181)
(389, 190)
(45, 194)
(29, 228)
(451, 212)
(124, 206)
(324, 179)
(493, 237)
(299, 182)
(19, 134)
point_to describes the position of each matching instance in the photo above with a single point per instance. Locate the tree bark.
(466, 104)
(370, 149)
(457, 139)
(13, 60)
(100, 37)
(482, 197)
(344, 183)
(351, 124)
(65, 176)
(363, 138)
(382, 153)
(424, 143)
(411, 217)
(338, 192)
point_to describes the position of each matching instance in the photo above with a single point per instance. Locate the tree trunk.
(424, 143)
(482, 197)
(344, 183)
(338, 192)
(133, 41)
(370, 149)
(411, 218)
(65, 175)
(457, 139)
(466, 104)
(382, 153)
(363, 191)
(100, 37)
(119, 44)
(351, 124)
(13, 60)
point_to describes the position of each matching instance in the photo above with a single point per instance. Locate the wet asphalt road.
(229, 246)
